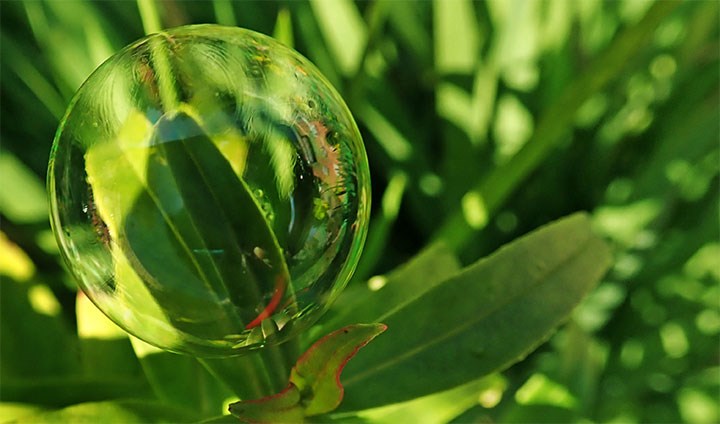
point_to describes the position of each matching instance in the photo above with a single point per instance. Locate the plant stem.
(159, 46)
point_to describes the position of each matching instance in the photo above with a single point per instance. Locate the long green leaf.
(482, 320)
(344, 30)
(388, 293)
(120, 412)
(28, 335)
(435, 408)
(168, 375)
(22, 198)
(457, 36)
(218, 242)
(69, 390)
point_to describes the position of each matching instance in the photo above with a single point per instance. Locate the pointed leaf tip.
(314, 387)
(317, 371)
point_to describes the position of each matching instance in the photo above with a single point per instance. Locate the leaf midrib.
(461, 328)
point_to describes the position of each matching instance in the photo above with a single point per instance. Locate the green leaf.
(14, 262)
(344, 30)
(181, 380)
(553, 125)
(482, 320)
(72, 51)
(223, 419)
(22, 199)
(68, 390)
(317, 371)
(314, 386)
(12, 411)
(121, 411)
(388, 293)
(283, 407)
(283, 31)
(539, 414)
(224, 13)
(28, 335)
(381, 226)
(439, 407)
(317, 49)
(457, 36)
(219, 243)
(105, 349)
(22, 66)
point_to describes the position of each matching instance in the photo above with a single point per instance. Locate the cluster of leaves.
(482, 121)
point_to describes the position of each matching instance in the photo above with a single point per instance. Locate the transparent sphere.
(209, 190)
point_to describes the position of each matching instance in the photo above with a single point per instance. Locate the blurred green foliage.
(482, 121)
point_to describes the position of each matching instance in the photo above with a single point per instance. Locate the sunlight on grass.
(43, 301)
(14, 262)
(540, 390)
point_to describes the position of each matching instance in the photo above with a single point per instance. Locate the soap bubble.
(209, 190)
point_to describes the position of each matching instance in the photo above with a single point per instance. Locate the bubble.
(209, 190)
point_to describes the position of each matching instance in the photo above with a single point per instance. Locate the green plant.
(481, 124)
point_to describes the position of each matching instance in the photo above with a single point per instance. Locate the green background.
(482, 121)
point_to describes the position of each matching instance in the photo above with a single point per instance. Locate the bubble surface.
(209, 190)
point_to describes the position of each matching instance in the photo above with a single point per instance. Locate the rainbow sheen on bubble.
(209, 190)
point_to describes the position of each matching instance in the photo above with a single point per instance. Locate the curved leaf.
(483, 319)
(283, 407)
(169, 197)
(360, 303)
(317, 372)
(314, 386)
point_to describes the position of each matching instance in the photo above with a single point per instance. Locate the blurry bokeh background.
(482, 121)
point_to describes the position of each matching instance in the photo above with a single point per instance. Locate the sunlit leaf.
(283, 28)
(233, 223)
(124, 411)
(22, 198)
(344, 31)
(14, 262)
(457, 36)
(105, 349)
(437, 407)
(13, 411)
